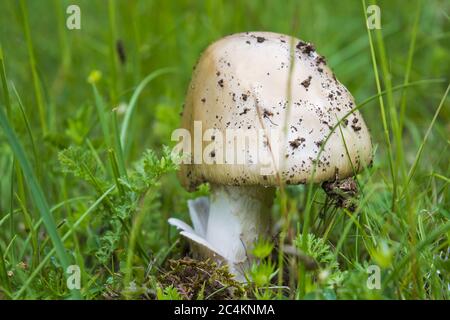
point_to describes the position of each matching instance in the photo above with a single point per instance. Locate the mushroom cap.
(241, 82)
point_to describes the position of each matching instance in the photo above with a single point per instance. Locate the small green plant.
(326, 273)
(262, 249)
(119, 208)
(168, 293)
(263, 269)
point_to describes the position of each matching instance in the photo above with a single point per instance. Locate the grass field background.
(83, 184)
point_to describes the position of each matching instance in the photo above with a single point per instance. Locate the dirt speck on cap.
(306, 82)
(296, 142)
(319, 143)
(267, 113)
(305, 47)
(320, 60)
(345, 122)
(244, 111)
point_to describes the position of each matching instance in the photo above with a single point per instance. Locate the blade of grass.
(3, 275)
(381, 101)
(28, 221)
(10, 245)
(283, 202)
(432, 236)
(6, 97)
(113, 61)
(39, 222)
(100, 107)
(96, 156)
(135, 229)
(8, 114)
(408, 68)
(32, 61)
(439, 176)
(37, 194)
(65, 237)
(62, 35)
(308, 199)
(310, 187)
(29, 131)
(393, 113)
(115, 169)
(413, 168)
(133, 102)
(118, 147)
(353, 221)
(399, 87)
(11, 204)
(16, 168)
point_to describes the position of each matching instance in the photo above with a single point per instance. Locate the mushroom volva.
(271, 83)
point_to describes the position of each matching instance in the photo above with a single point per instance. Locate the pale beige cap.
(241, 82)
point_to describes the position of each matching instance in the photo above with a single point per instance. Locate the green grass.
(85, 182)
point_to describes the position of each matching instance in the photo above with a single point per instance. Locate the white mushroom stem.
(238, 216)
(226, 226)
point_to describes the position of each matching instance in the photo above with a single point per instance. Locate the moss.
(196, 279)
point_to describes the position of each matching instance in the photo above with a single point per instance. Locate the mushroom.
(241, 83)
